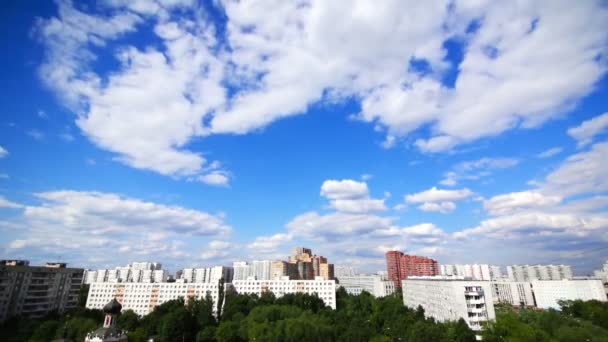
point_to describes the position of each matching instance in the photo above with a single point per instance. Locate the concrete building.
(449, 299)
(261, 269)
(374, 284)
(305, 265)
(548, 292)
(147, 272)
(278, 269)
(539, 272)
(325, 289)
(34, 291)
(513, 292)
(242, 270)
(144, 297)
(207, 275)
(474, 271)
(400, 266)
(344, 271)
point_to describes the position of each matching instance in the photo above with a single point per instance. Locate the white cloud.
(550, 152)
(584, 172)
(476, 169)
(160, 99)
(17, 244)
(215, 178)
(3, 152)
(589, 129)
(4, 203)
(441, 207)
(36, 134)
(438, 195)
(98, 212)
(270, 243)
(366, 177)
(516, 201)
(344, 189)
(315, 225)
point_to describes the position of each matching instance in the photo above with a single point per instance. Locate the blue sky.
(198, 133)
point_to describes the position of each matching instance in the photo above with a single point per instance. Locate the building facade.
(515, 293)
(399, 266)
(602, 273)
(474, 271)
(146, 272)
(144, 297)
(325, 289)
(34, 291)
(374, 284)
(207, 275)
(451, 299)
(539, 272)
(549, 292)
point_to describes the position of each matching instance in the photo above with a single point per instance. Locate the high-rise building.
(399, 266)
(344, 271)
(325, 289)
(548, 293)
(144, 297)
(474, 272)
(305, 265)
(242, 270)
(34, 291)
(374, 284)
(261, 269)
(278, 269)
(515, 293)
(145, 272)
(539, 272)
(451, 299)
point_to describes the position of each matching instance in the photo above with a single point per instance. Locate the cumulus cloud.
(589, 129)
(163, 96)
(84, 225)
(269, 244)
(511, 202)
(4, 203)
(350, 196)
(3, 152)
(215, 178)
(581, 173)
(438, 200)
(550, 152)
(476, 169)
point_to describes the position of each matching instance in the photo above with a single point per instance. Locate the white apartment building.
(344, 271)
(549, 292)
(374, 284)
(474, 271)
(207, 274)
(515, 293)
(146, 272)
(449, 299)
(144, 297)
(242, 270)
(325, 289)
(539, 272)
(260, 269)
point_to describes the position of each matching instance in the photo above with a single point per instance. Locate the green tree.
(46, 330)
(177, 325)
(83, 294)
(128, 320)
(228, 331)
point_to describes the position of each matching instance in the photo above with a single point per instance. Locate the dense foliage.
(300, 317)
(577, 321)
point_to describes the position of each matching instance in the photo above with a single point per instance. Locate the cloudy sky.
(202, 132)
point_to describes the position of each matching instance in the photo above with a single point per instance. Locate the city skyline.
(202, 133)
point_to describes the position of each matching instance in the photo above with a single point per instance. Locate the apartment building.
(549, 292)
(207, 274)
(372, 283)
(144, 297)
(325, 289)
(399, 266)
(471, 271)
(146, 272)
(34, 291)
(449, 299)
(515, 293)
(539, 272)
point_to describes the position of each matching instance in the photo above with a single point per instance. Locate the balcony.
(476, 301)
